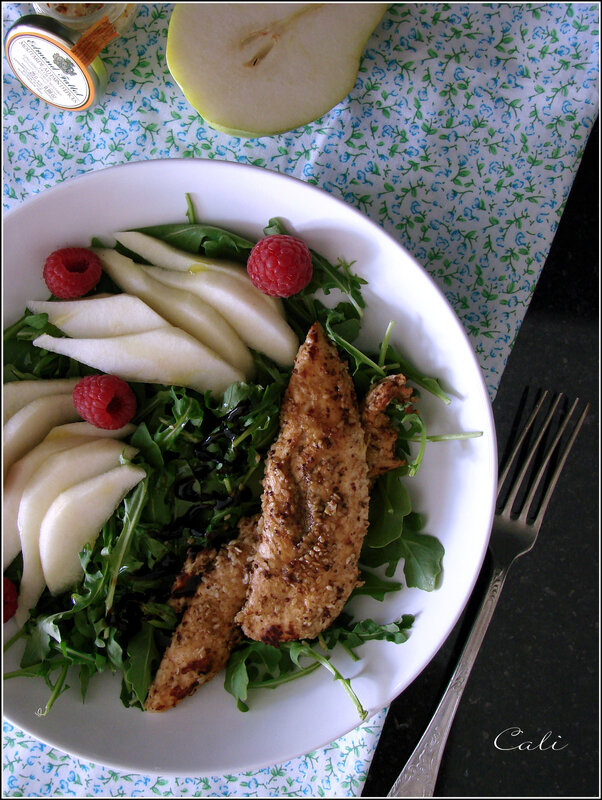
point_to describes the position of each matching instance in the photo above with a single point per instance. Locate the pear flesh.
(17, 394)
(97, 317)
(29, 426)
(57, 473)
(17, 479)
(162, 254)
(166, 356)
(60, 438)
(259, 326)
(65, 530)
(184, 311)
(255, 69)
(87, 429)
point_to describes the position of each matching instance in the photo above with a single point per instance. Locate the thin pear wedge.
(98, 317)
(17, 394)
(65, 530)
(56, 474)
(162, 254)
(258, 325)
(18, 476)
(29, 426)
(185, 311)
(167, 356)
(87, 429)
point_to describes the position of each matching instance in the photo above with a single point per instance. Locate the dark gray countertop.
(538, 668)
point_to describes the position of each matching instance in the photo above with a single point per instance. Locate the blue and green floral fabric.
(461, 137)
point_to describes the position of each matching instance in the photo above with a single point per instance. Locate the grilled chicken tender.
(314, 503)
(206, 634)
(381, 435)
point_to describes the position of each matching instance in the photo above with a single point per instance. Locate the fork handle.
(419, 776)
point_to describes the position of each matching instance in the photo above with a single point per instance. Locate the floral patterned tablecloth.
(461, 137)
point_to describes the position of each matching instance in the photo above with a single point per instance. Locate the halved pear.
(17, 394)
(185, 311)
(162, 254)
(255, 69)
(75, 519)
(165, 356)
(60, 438)
(259, 326)
(57, 473)
(97, 317)
(30, 425)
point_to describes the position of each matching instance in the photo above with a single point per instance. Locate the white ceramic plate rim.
(313, 213)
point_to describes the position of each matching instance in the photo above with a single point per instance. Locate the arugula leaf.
(393, 362)
(208, 240)
(255, 665)
(351, 635)
(22, 360)
(142, 659)
(133, 509)
(389, 504)
(248, 667)
(423, 556)
(374, 586)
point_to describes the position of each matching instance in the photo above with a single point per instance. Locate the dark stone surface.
(538, 667)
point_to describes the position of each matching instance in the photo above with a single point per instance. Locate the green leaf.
(142, 657)
(389, 504)
(205, 239)
(423, 556)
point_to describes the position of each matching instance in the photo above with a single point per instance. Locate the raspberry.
(105, 401)
(9, 600)
(280, 265)
(72, 272)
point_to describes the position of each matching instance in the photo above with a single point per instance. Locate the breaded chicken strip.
(381, 436)
(206, 634)
(314, 503)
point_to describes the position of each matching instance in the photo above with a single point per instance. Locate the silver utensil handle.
(419, 776)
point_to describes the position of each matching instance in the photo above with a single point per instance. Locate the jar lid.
(43, 55)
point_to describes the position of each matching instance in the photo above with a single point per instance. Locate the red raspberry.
(9, 594)
(105, 401)
(280, 265)
(72, 272)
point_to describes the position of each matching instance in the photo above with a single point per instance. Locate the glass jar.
(81, 16)
(40, 53)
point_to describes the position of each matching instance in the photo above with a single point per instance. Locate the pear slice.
(162, 254)
(97, 317)
(165, 356)
(65, 529)
(17, 394)
(57, 473)
(30, 425)
(87, 429)
(60, 438)
(185, 311)
(255, 69)
(258, 325)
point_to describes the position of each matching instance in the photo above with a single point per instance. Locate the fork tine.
(559, 466)
(519, 442)
(549, 450)
(518, 480)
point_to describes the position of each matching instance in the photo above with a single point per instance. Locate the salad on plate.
(202, 469)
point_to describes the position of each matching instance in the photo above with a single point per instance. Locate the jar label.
(50, 71)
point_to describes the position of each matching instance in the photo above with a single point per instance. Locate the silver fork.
(513, 534)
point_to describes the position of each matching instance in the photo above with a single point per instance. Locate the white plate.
(455, 488)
